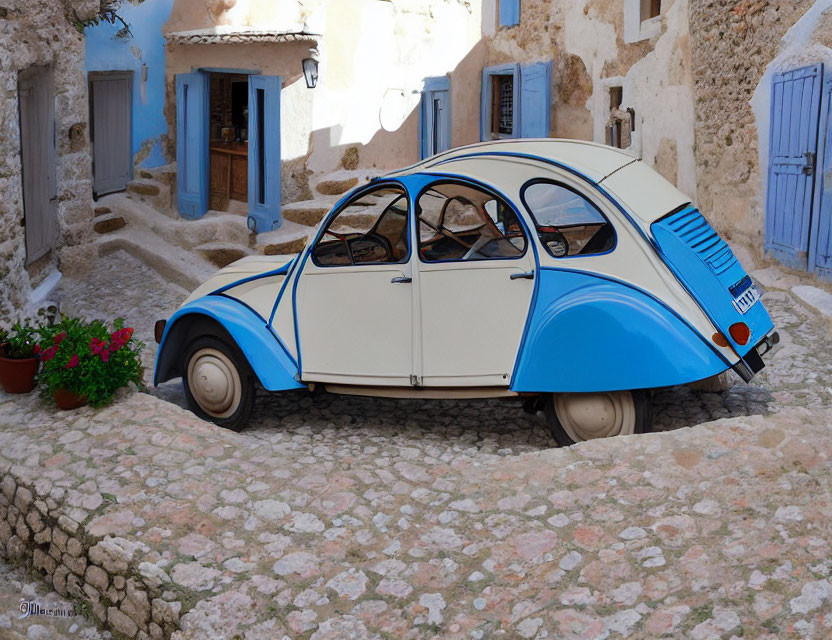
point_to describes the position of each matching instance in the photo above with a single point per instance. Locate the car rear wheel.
(576, 417)
(218, 383)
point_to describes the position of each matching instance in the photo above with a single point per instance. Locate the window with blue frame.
(509, 12)
(516, 101)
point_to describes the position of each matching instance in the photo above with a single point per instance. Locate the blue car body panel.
(589, 332)
(707, 266)
(269, 360)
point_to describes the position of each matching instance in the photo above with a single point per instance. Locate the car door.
(475, 281)
(355, 298)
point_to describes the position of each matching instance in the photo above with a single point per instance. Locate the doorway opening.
(228, 142)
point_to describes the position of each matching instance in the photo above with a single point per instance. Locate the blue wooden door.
(264, 153)
(192, 144)
(795, 114)
(435, 117)
(820, 245)
(535, 80)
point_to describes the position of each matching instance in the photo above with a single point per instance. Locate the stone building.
(45, 209)
(702, 90)
(687, 85)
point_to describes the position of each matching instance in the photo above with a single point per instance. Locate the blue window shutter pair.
(192, 148)
(532, 98)
(509, 12)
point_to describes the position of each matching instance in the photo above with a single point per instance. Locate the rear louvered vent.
(692, 228)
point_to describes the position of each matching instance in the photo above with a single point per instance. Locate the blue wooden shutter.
(820, 248)
(264, 153)
(509, 12)
(535, 80)
(192, 144)
(795, 114)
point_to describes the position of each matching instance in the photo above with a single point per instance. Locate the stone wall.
(133, 599)
(585, 40)
(733, 42)
(40, 33)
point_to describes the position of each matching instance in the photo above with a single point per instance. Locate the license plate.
(747, 299)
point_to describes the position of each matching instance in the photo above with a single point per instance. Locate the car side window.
(463, 223)
(567, 223)
(370, 229)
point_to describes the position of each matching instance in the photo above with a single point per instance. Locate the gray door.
(37, 150)
(110, 106)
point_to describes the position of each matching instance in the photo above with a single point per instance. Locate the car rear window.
(567, 223)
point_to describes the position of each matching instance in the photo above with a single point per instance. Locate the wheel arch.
(593, 334)
(236, 324)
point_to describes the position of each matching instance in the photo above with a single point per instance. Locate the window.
(650, 9)
(567, 223)
(509, 12)
(502, 106)
(459, 222)
(370, 229)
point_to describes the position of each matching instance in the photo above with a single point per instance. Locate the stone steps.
(184, 268)
(221, 254)
(337, 183)
(108, 222)
(291, 237)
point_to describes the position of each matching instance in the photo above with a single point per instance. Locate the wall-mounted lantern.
(310, 72)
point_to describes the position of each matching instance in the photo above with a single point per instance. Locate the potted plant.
(19, 358)
(87, 362)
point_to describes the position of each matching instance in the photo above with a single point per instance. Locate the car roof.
(595, 161)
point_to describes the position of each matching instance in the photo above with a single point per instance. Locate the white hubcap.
(214, 382)
(586, 416)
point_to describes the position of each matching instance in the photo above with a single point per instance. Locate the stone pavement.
(334, 517)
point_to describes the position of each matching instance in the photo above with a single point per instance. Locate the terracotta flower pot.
(68, 399)
(17, 375)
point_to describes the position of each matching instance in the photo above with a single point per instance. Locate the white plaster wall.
(662, 100)
(796, 50)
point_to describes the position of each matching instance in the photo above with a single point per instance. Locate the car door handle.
(402, 280)
(529, 275)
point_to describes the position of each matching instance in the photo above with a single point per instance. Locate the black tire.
(234, 417)
(643, 416)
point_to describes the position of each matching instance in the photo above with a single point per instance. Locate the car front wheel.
(576, 417)
(218, 383)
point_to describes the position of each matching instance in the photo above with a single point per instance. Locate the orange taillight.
(720, 340)
(740, 332)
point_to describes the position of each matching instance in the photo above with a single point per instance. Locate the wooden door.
(110, 131)
(820, 241)
(435, 118)
(37, 150)
(795, 114)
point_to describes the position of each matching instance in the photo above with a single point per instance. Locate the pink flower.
(73, 362)
(37, 350)
(60, 338)
(48, 354)
(105, 355)
(97, 346)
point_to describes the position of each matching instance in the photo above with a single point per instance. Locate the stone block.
(78, 566)
(121, 622)
(73, 547)
(336, 187)
(22, 499)
(164, 612)
(34, 521)
(109, 224)
(59, 539)
(59, 579)
(8, 487)
(43, 562)
(44, 536)
(97, 577)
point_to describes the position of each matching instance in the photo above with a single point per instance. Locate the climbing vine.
(108, 12)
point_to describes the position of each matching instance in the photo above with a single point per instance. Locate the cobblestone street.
(334, 517)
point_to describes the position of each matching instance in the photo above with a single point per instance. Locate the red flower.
(97, 346)
(73, 362)
(105, 355)
(128, 332)
(60, 338)
(37, 350)
(48, 354)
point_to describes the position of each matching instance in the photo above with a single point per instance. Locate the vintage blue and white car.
(567, 274)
